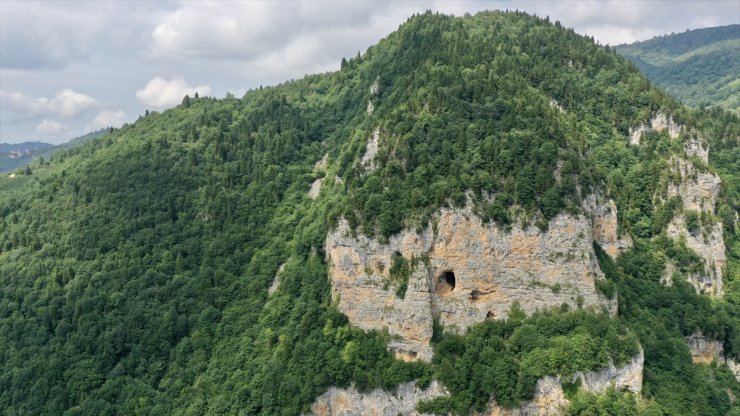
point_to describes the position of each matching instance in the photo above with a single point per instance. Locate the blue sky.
(67, 68)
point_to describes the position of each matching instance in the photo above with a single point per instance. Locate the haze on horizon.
(67, 68)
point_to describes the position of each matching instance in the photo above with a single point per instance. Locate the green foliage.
(506, 358)
(134, 269)
(699, 67)
(399, 273)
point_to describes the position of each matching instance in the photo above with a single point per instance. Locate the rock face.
(368, 159)
(549, 398)
(313, 192)
(276, 281)
(605, 228)
(710, 247)
(463, 272)
(350, 402)
(705, 351)
(698, 192)
(660, 122)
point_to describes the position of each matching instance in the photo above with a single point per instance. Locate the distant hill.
(700, 67)
(22, 147)
(19, 155)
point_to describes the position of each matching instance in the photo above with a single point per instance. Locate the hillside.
(699, 67)
(20, 155)
(489, 213)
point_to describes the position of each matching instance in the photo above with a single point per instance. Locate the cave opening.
(446, 282)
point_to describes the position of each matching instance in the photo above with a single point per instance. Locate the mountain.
(487, 213)
(15, 156)
(699, 67)
(22, 147)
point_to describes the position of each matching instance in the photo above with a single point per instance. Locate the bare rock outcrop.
(371, 150)
(464, 272)
(605, 226)
(698, 190)
(710, 247)
(660, 122)
(350, 402)
(550, 400)
(706, 350)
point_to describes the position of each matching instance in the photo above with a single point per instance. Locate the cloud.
(50, 127)
(67, 103)
(160, 93)
(107, 118)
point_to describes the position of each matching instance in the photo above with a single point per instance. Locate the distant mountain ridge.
(22, 147)
(700, 67)
(19, 155)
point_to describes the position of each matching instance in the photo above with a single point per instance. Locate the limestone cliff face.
(549, 398)
(465, 272)
(350, 402)
(698, 192)
(605, 229)
(368, 159)
(710, 247)
(660, 122)
(706, 350)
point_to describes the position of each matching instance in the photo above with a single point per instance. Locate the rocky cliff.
(698, 190)
(350, 402)
(464, 271)
(706, 350)
(549, 398)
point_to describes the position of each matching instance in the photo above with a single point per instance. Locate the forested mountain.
(15, 156)
(192, 262)
(699, 67)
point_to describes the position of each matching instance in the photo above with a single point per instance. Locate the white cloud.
(107, 118)
(67, 103)
(160, 93)
(50, 127)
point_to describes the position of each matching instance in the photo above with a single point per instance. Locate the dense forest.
(134, 269)
(699, 67)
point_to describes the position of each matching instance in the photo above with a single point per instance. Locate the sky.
(68, 68)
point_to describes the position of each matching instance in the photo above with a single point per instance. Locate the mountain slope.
(179, 264)
(14, 156)
(700, 67)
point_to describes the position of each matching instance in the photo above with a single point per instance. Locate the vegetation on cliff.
(134, 270)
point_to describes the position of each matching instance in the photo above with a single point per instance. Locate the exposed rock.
(667, 278)
(693, 147)
(705, 351)
(313, 192)
(370, 106)
(605, 226)
(555, 104)
(276, 281)
(660, 122)
(549, 398)
(320, 166)
(710, 247)
(368, 159)
(470, 272)
(375, 88)
(698, 190)
(350, 402)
